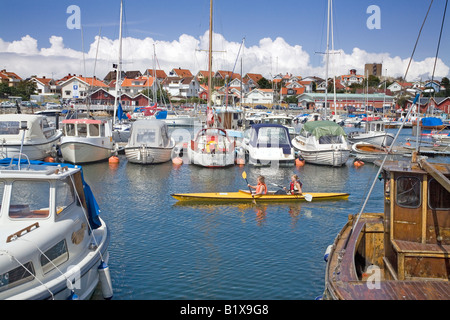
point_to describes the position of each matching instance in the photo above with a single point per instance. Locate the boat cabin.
(86, 128)
(151, 133)
(212, 141)
(417, 221)
(374, 126)
(29, 127)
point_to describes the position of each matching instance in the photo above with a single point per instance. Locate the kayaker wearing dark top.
(296, 186)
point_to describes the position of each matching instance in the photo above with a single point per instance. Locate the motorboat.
(54, 244)
(323, 143)
(374, 133)
(368, 152)
(149, 143)
(29, 134)
(269, 144)
(87, 140)
(212, 148)
(174, 119)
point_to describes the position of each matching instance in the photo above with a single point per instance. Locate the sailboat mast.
(119, 66)
(327, 57)
(210, 53)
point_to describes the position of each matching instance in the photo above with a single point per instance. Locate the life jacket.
(258, 188)
(292, 189)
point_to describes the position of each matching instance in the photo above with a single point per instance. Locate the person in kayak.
(261, 187)
(295, 187)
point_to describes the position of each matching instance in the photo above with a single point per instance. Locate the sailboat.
(323, 142)
(212, 146)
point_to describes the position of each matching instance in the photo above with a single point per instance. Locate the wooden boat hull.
(246, 196)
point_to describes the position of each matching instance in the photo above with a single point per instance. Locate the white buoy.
(327, 253)
(105, 281)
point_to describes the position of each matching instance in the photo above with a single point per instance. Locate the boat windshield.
(329, 139)
(273, 136)
(65, 195)
(29, 199)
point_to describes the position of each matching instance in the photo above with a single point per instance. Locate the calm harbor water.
(161, 250)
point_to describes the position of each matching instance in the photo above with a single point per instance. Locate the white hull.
(328, 155)
(269, 157)
(211, 160)
(32, 151)
(147, 155)
(378, 139)
(182, 121)
(86, 150)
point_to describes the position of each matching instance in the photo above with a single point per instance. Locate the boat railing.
(19, 160)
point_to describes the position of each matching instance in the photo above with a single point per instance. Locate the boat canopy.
(432, 122)
(93, 209)
(269, 135)
(152, 133)
(323, 128)
(12, 125)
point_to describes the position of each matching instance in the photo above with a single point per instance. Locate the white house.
(77, 87)
(397, 86)
(259, 96)
(182, 88)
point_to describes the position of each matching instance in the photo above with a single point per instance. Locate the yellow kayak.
(246, 196)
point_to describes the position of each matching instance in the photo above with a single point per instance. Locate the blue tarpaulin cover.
(431, 122)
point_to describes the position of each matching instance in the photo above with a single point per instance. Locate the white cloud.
(267, 57)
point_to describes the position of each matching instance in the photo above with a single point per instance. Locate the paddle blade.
(244, 175)
(308, 197)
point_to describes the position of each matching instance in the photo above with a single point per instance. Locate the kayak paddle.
(307, 197)
(244, 175)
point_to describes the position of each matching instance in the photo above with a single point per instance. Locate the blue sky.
(298, 23)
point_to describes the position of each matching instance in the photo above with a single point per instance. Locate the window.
(54, 256)
(65, 195)
(94, 130)
(146, 136)
(17, 276)
(29, 199)
(408, 192)
(438, 196)
(81, 130)
(330, 139)
(9, 127)
(70, 129)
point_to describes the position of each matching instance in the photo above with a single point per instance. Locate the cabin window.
(81, 130)
(146, 136)
(29, 199)
(17, 276)
(330, 139)
(272, 136)
(55, 256)
(65, 195)
(438, 196)
(9, 127)
(408, 192)
(94, 130)
(70, 129)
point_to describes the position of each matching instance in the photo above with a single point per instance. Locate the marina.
(224, 185)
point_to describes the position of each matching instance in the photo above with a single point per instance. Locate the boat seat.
(410, 247)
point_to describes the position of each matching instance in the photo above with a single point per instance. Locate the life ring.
(210, 144)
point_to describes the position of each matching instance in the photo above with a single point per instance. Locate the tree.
(374, 81)
(263, 83)
(161, 95)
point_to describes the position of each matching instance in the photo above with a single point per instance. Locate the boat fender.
(105, 281)
(177, 161)
(114, 159)
(358, 163)
(327, 253)
(299, 163)
(73, 296)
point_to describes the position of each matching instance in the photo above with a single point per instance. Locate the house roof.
(254, 77)
(160, 74)
(143, 82)
(297, 91)
(88, 80)
(10, 75)
(230, 74)
(183, 73)
(45, 81)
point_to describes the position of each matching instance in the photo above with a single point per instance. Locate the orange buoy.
(408, 144)
(358, 163)
(299, 163)
(177, 161)
(49, 159)
(114, 160)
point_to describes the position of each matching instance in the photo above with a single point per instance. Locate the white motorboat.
(87, 140)
(174, 119)
(269, 145)
(212, 148)
(31, 135)
(323, 143)
(374, 133)
(54, 244)
(149, 143)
